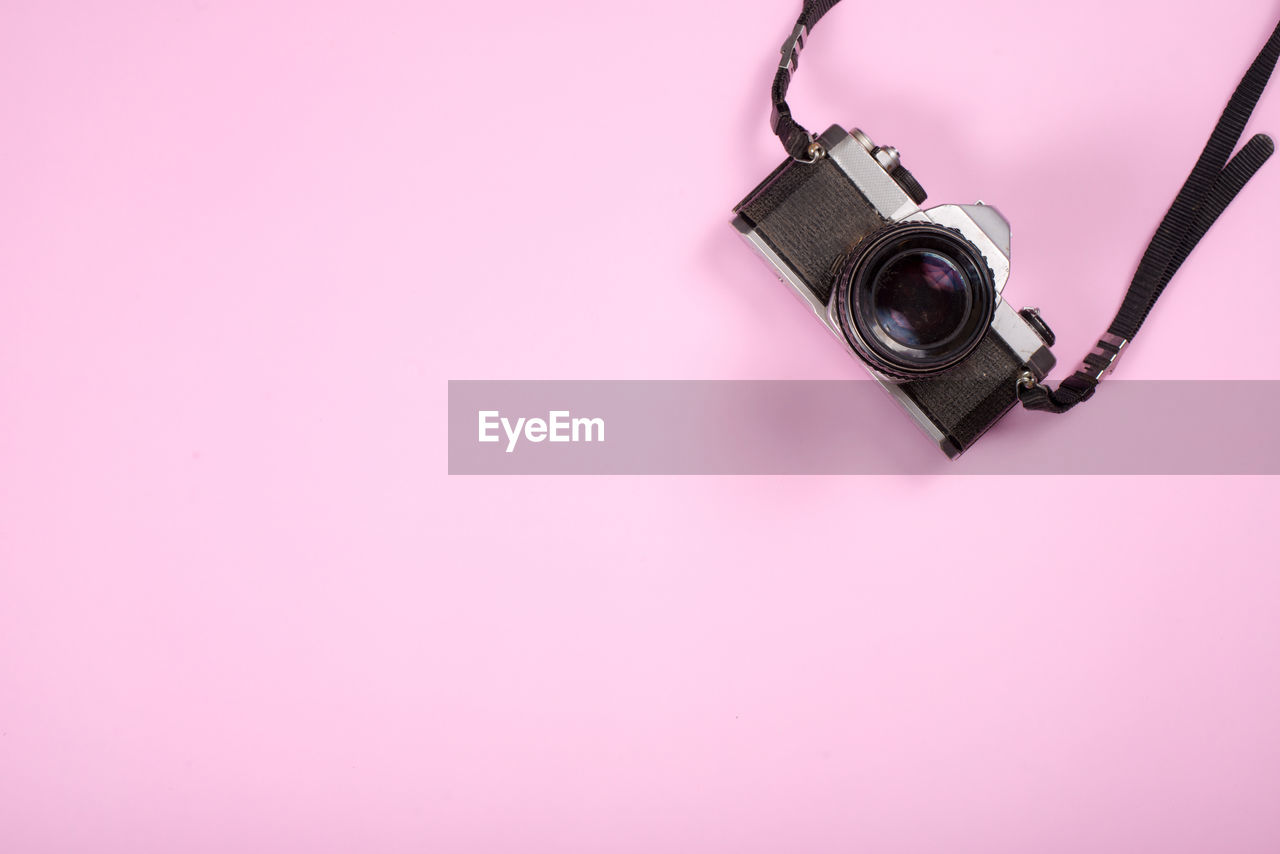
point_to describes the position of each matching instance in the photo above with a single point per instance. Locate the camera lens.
(915, 299)
(920, 298)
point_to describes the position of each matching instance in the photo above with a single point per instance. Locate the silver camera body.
(846, 233)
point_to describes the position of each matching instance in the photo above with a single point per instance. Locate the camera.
(915, 294)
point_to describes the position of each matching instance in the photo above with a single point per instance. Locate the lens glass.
(920, 298)
(914, 299)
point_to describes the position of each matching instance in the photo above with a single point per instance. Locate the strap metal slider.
(791, 48)
(1103, 357)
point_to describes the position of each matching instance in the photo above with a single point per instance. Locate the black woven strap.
(795, 139)
(1214, 182)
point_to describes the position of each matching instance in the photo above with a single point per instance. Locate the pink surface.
(243, 608)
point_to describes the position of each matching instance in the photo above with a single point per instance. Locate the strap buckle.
(791, 48)
(1102, 359)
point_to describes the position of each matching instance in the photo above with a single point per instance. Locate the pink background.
(243, 246)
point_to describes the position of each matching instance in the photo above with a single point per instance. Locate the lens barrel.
(915, 299)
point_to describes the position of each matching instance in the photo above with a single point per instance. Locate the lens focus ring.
(915, 299)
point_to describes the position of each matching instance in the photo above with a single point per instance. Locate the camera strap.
(1216, 180)
(795, 139)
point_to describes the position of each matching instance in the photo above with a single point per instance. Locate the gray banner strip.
(824, 427)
